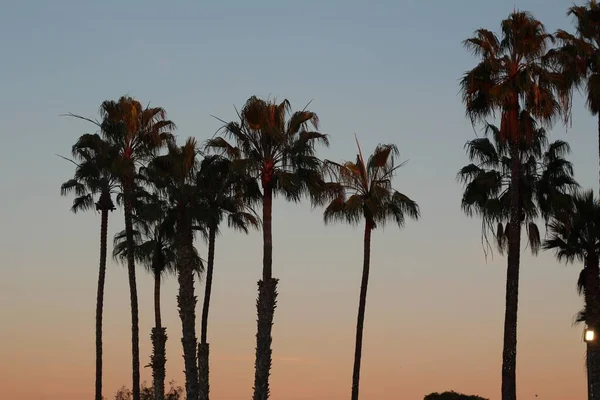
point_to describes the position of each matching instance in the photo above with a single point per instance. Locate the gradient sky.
(385, 70)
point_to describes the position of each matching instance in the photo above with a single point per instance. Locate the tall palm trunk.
(599, 148)
(203, 348)
(266, 303)
(361, 308)
(186, 301)
(157, 313)
(135, 330)
(592, 300)
(159, 339)
(509, 351)
(100, 300)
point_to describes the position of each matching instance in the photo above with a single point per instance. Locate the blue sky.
(385, 70)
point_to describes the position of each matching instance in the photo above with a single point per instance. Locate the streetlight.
(589, 335)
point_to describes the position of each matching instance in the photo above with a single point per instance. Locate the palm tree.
(94, 184)
(365, 192)
(154, 237)
(137, 133)
(510, 77)
(226, 193)
(575, 235)
(545, 181)
(577, 55)
(280, 152)
(173, 176)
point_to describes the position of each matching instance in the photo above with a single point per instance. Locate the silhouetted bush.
(175, 392)
(451, 396)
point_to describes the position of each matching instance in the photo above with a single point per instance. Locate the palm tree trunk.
(100, 301)
(509, 351)
(186, 301)
(592, 297)
(361, 309)
(599, 148)
(135, 330)
(203, 348)
(159, 339)
(158, 361)
(266, 304)
(157, 314)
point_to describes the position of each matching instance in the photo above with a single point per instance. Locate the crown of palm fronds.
(227, 191)
(364, 189)
(275, 146)
(172, 176)
(96, 174)
(135, 129)
(546, 182)
(575, 59)
(136, 133)
(575, 233)
(511, 75)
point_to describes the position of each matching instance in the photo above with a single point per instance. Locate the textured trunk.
(159, 339)
(203, 348)
(100, 301)
(186, 301)
(361, 309)
(267, 233)
(135, 330)
(509, 351)
(203, 383)
(593, 371)
(266, 303)
(592, 299)
(265, 307)
(158, 361)
(157, 314)
(599, 146)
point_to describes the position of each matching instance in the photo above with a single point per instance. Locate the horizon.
(387, 72)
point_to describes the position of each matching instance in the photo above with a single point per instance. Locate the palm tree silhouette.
(364, 191)
(227, 193)
(154, 237)
(280, 152)
(575, 235)
(510, 77)
(137, 133)
(94, 184)
(173, 176)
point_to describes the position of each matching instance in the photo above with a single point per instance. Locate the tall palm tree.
(94, 183)
(226, 193)
(280, 152)
(137, 132)
(545, 182)
(576, 56)
(173, 176)
(154, 237)
(365, 192)
(575, 235)
(510, 77)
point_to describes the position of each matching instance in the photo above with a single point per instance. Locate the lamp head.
(589, 335)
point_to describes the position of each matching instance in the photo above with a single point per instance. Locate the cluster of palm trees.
(173, 193)
(516, 178)
(526, 77)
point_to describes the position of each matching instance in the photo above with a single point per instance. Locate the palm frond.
(364, 190)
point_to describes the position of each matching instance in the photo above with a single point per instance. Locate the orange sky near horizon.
(450, 341)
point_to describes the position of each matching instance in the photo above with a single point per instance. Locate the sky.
(386, 71)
